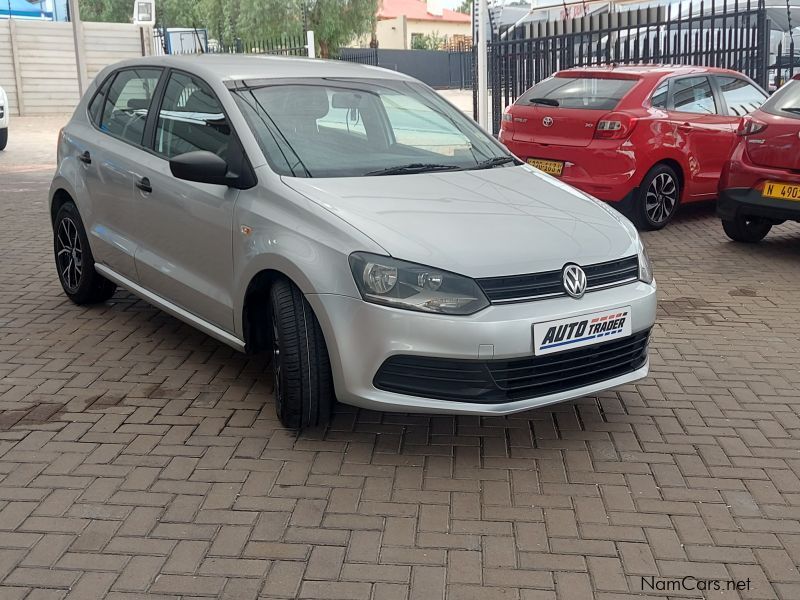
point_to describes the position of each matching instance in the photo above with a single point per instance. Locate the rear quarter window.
(580, 92)
(785, 102)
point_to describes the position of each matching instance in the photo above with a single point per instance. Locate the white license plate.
(584, 330)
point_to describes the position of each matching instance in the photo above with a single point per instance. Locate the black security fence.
(287, 45)
(716, 33)
(437, 68)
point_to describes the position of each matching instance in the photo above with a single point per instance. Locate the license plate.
(785, 191)
(551, 167)
(584, 330)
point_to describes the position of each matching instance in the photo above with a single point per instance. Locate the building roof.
(417, 10)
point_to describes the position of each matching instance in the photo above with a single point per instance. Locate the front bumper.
(734, 202)
(361, 336)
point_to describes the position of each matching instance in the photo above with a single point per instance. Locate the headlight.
(645, 266)
(385, 280)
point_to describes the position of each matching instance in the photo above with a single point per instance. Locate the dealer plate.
(584, 330)
(551, 167)
(785, 191)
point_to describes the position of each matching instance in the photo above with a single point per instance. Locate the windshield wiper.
(494, 162)
(546, 101)
(792, 109)
(414, 168)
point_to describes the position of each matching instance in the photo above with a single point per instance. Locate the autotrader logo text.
(691, 584)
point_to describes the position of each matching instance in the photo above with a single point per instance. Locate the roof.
(641, 70)
(236, 67)
(417, 10)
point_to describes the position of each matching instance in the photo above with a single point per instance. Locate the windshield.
(785, 102)
(353, 128)
(590, 93)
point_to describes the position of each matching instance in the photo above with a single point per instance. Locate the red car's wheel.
(658, 198)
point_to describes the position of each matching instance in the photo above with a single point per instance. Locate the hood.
(486, 223)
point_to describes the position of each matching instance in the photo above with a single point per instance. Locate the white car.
(4, 116)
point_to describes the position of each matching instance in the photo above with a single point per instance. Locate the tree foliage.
(465, 7)
(334, 22)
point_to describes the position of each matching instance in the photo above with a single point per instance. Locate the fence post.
(12, 31)
(311, 44)
(80, 45)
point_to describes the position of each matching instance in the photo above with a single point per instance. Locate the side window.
(191, 118)
(659, 98)
(96, 104)
(127, 103)
(694, 95)
(741, 97)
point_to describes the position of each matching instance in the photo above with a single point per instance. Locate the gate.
(718, 33)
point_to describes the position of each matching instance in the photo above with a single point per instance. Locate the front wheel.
(746, 229)
(657, 199)
(74, 260)
(303, 385)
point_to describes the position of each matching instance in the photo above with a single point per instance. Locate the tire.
(74, 260)
(657, 198)
(3, 138)
(303, 385)
(746, 229)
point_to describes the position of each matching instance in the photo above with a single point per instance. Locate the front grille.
(2, 112)
(548, 284)
(496, 381)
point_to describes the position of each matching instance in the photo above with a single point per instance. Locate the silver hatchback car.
(385, 250)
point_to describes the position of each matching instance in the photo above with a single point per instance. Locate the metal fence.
(195, 41)
(437, 68)
(718, 33)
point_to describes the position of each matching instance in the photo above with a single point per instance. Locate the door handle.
(143, 183)
(85, 158)
(685, 127)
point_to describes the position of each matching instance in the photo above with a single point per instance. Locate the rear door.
(109, 159)
(705, 133)
(564, 111)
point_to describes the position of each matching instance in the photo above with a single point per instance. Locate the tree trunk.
(324, 49)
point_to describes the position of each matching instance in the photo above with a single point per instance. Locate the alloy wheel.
(661, 198)
(69, 254)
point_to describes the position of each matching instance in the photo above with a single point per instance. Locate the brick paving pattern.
(142, 459)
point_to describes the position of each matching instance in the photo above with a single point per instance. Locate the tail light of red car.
(615, 126)
(750, 126)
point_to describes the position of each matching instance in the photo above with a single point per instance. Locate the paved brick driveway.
(141, 459)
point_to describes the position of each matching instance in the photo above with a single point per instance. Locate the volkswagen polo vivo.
(346, 219)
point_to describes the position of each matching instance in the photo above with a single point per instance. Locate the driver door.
(185, 253)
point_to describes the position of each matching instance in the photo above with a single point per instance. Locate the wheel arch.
(59, 198)
(676, 166)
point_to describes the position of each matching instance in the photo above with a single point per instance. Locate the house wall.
(441, 28)
(37, 60)
(391, 33)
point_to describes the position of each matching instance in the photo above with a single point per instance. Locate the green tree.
(466, 7)
(337, 22)
(115, 11)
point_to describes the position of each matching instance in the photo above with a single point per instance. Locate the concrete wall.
(37, 60)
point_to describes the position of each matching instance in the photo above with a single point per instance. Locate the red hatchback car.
(760, 186)
(643, 137)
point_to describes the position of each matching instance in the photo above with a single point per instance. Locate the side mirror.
(201, 166)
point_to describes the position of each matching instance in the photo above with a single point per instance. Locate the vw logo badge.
(547, 121)
(574, 280)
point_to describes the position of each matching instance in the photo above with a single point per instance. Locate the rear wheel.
(657, 199)
(746, 229)
(3, 138)
(303, 385)
(74, 260)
